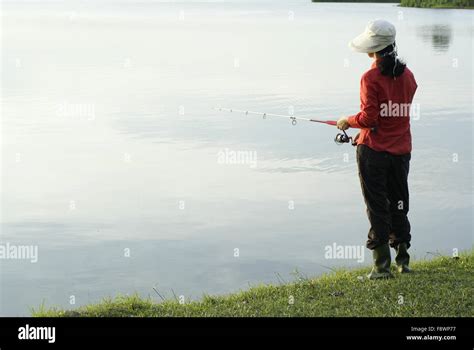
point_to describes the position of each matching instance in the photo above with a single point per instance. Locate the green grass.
(439, 287)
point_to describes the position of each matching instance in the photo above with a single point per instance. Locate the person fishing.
(384, 146)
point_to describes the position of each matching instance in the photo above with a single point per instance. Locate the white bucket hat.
(377, 35)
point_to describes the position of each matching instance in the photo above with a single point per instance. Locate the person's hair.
(388, 63)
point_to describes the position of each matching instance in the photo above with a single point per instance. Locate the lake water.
(113, 158)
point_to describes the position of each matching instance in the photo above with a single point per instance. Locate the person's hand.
(343, 123)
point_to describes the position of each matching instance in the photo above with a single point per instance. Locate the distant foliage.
(388, 1)
(437, 3)
(417, 3)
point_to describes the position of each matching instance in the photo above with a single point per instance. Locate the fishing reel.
(343, 138)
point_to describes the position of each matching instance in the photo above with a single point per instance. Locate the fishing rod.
(339, 139)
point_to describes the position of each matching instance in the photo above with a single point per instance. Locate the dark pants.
(384, 182)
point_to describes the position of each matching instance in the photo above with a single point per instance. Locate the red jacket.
(384, 116)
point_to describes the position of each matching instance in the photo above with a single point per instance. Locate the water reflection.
(439, 35)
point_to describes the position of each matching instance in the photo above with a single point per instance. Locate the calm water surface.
(110, 144)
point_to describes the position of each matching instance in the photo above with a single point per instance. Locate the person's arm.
(368, 117)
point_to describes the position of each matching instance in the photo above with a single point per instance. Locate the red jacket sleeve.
(369, 106)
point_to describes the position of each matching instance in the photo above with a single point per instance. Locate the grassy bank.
(438, 3)
(440, 287)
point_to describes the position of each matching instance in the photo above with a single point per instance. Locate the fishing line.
(339, 139)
